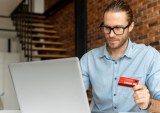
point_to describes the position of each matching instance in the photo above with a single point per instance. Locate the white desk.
(10, 111)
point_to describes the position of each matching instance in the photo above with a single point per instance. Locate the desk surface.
(116, 112)
(18, 111)
(10, 111)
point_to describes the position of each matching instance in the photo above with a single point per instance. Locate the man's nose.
(111, 34)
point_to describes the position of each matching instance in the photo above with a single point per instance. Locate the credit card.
(127, 82)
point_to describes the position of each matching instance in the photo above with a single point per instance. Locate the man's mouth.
(112, 40)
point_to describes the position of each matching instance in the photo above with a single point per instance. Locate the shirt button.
(115, 62)
(115, 107)
(115, 78)
(114, 94)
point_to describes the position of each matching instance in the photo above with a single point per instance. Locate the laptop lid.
(51, 86)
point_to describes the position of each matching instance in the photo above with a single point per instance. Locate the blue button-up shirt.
(103, 72)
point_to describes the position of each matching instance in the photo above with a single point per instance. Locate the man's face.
(117, 19)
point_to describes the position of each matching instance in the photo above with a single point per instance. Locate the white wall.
(9, 99)
(3, 45)
(6, 23)
(38, 6)
(1, 73)
(14, 45)
(7, 92)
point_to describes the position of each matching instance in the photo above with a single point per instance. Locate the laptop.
(50, 86)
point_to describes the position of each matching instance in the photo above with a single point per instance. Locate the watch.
(149, 105)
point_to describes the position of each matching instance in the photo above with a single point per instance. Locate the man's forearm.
(155, 106)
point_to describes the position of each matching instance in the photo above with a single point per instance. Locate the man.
(104, 66)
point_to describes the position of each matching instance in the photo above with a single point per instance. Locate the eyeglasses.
(117, 30)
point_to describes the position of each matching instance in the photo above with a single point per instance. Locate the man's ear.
(131, 27)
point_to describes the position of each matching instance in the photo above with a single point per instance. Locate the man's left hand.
(141, 96)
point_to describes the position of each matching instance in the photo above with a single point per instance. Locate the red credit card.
(127, 82)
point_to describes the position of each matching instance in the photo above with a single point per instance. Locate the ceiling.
(8, 6)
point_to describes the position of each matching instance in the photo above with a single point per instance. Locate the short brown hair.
(118, 6)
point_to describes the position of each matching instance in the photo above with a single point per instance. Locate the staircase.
(38, 37)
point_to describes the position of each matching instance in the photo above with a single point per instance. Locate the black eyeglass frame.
(112, 28)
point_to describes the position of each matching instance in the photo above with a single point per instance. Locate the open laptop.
(51, 86)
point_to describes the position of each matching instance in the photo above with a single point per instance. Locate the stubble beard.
(121, 43)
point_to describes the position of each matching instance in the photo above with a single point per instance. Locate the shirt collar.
(104, 52)
(127, 53)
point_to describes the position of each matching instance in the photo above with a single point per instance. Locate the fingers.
(141, 98)
(141, 95)
(139, 87)
(140, 91)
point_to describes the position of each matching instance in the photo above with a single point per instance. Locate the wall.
(7, 92)
(3, 45)
(6, 23)
(146, 17)
(147, 20)
(38, 6)
(64, 23)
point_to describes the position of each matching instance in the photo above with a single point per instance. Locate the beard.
(117, 42)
